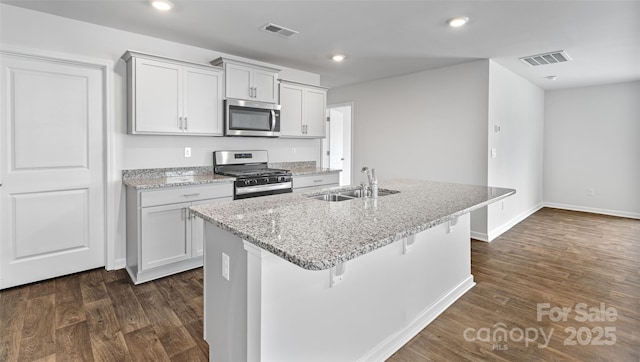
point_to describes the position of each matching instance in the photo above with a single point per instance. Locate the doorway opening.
(337, 145)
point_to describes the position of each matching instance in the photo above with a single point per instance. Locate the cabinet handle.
(179, 122)
(317, 180)
(255, 92)
(191, 195)
(186, 123)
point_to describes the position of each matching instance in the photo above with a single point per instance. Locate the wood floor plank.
(174, 339)
(13, 306)
(69, 301)
(38, 332)
(73, 343)
(144, 345)
(107, 340)
(92, 286)
(127, 307)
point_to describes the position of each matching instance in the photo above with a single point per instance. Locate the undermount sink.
(348, 195)
(331, 197)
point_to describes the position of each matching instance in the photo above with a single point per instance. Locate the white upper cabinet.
(303, 108)
(172, 97)
(249, 82)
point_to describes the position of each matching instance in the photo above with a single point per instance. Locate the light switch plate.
(494, 153)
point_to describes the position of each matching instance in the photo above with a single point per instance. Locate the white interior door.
(52, 199)
(336, 147)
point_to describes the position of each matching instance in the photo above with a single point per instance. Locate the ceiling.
(387, 38)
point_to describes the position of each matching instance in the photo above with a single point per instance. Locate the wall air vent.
(559, 56)
(279, 30)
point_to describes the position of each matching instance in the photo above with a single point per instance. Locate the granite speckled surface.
(318, 235)
(154, 178)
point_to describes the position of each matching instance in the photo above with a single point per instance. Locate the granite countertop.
(318, 235)
(155, 178)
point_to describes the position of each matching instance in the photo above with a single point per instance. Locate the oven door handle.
(251, 189)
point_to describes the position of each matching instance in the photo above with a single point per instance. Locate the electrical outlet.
(494, 153)
(225, 266)
(187, 152)
(590, 191)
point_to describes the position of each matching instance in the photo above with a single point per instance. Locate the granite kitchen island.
(291, 278)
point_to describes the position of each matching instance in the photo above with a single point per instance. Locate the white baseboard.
(631, 215)
(488, 237)
(394, 342)
(479, 236)
(118, 264)
(511, 223)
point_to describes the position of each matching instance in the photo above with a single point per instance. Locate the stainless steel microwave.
(245, 118)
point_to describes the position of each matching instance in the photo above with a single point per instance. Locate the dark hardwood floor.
(566, 259)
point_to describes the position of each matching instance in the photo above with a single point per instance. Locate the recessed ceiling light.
(162, 5)
(338, 58)
(552, 77)
(457, 21)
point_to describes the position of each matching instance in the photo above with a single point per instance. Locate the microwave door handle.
(273, 120)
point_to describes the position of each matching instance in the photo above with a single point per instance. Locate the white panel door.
(203, 101)
(52, 199)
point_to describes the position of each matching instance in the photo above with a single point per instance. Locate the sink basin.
(349, 195)
(331, 197)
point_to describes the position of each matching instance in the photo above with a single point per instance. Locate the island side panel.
(385, 299)
(225, 301)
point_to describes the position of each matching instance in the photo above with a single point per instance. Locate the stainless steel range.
(253, 175)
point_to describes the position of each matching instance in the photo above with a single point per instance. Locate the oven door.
(243, 118)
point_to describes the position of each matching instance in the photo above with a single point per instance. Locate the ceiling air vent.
(278, 30)
(559, 56)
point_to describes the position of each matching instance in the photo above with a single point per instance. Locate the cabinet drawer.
(332, 179)
(185, 194)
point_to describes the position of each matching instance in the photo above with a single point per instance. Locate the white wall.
(517, 107)
(26, 29)
(423, 125)
(592, 140)
(427, 125)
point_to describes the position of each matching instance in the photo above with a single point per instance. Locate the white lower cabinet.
(163, 237)
(309, 182)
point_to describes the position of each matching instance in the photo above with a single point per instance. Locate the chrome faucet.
(372, 180)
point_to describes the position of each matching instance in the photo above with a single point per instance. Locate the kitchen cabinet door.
(315, 105)
(265, 86)
(238, 82)
(156, 97)
(166, 235)
(202, 101)
(291, 113)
